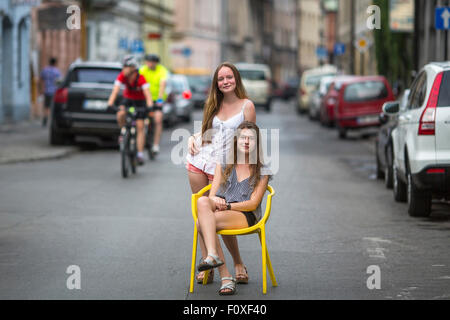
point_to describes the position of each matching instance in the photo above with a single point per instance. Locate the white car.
(256, 79)
(421, 140)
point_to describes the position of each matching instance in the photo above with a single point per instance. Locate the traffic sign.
(362, 44)
(442, 18)
(339, 49)
(186, 51)
(321, 52)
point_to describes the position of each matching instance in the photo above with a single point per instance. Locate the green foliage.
(393, 49)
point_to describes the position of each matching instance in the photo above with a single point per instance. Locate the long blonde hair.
(215, 99)
(255, 169)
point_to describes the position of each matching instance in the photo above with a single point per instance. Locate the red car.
(330, 100)
(359, 102)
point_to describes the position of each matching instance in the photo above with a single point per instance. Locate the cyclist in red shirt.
(136, 94)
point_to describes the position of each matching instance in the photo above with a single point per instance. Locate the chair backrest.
(264, 218)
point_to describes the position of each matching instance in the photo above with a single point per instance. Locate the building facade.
(310, 29)
(430, 44)
(197, 39)
(15, 83)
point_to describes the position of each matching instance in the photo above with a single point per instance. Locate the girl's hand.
(193, 150)
(221, 204)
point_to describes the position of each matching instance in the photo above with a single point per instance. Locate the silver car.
(317, 96)
(179, 97)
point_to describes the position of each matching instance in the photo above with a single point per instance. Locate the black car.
(383, 144)
(80, 104)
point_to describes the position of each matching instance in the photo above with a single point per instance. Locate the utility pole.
(352, 37)
(224, 33)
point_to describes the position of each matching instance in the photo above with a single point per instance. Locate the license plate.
(97, 105)
(368, 119)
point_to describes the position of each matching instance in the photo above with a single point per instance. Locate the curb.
(34, 158)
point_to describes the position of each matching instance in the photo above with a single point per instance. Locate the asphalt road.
(132, 238)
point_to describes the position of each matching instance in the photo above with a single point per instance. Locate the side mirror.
(391, 108)
(59, 82)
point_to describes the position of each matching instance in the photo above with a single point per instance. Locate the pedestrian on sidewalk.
(49, 75)
(234, 200)
(226, 107)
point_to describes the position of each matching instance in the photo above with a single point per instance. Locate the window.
(94, 75)
(444, 91)
(252, 74)
(367, 90)
(418, 92)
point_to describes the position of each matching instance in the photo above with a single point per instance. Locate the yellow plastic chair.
(258, 228)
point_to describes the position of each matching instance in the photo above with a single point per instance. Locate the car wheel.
(399, 187)
(380, 173)
(56, 138)
(388, 173)
(419, 201)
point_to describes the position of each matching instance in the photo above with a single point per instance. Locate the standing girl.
(225, 109)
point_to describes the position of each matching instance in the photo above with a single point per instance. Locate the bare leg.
(198, 182)
(140, 135)
(158, 117)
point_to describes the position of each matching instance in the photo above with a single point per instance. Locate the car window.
(199, 82)
(418, 93)
(94, 75)
(444, 91)
(315, 80)
(367, 90)
(252, 74)
(177, 85)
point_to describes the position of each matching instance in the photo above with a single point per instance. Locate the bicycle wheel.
(132, 155)
(124, 151)
(150, 135)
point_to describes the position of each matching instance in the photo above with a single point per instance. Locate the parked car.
(317, 97)
(180, 96)
(289, 89)
(421, 141)
(200, 86)
(257, 82)
(330, 100)
(383, 142)
(360, 102)
(80, 104)
(309, 80)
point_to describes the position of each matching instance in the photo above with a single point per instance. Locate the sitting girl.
(234, 201)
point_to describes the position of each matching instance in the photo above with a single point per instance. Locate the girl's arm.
(249, 112)
(255, 198)
(216, 181)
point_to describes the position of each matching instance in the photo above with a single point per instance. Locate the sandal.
(200, 278)
(242, 278)
(228, 286)
(210, 262)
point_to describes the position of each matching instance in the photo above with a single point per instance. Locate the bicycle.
(128, 141)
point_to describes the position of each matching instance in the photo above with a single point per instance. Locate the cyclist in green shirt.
(156, 75)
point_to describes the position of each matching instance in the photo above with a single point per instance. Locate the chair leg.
(194, 258)
(271, 273)
(264, 256)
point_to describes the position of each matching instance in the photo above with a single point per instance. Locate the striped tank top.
(235, 191)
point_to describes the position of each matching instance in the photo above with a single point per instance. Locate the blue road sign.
(321, 52)
(339, 48)
(137, 46)
(186, 51)
(442, 18)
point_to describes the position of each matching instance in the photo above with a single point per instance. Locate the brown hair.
(255, 168)
(215, 99)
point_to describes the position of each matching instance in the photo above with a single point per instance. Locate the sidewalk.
(28, 141)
